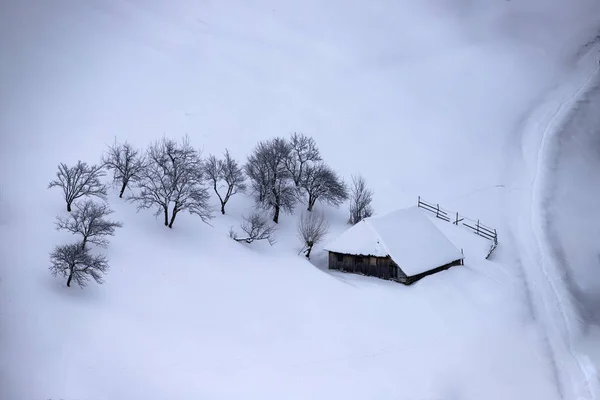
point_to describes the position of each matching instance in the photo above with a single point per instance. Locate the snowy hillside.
(487, 108)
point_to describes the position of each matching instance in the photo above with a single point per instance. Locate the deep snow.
(573, 204)
(571, 220)
(424, 98)
(533, 172)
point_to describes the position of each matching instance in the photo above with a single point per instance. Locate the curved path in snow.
(572, 229)
(547, 276)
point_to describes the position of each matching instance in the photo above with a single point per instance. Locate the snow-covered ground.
(574, 203)
(572, 217)
(532, 174)
(434, 98)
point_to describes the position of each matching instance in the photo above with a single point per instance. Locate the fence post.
(419, 201)
(478, 227)
(456, 223)
(437, 213)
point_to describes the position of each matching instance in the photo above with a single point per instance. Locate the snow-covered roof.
(406, 235)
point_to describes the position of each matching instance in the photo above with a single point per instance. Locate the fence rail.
(455, 218)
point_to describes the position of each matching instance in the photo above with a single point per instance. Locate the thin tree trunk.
(69, 280)
(166, 216)
(308, 252)
(311, 203)
(122, 189)
(84, 242)
(220, 198)
(174, 214)
(299, 178)
(276, 216)
(68, 207)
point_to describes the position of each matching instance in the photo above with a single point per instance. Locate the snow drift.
(424, 98)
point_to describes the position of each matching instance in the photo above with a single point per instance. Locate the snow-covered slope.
(551, 288)
(573, 229)
(423, 98)
(572, 203)
(568, 225)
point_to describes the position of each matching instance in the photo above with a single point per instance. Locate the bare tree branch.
(322, 183)
(303, 152)
(89, 221)
(78, 181)
(74, 262)
(272, 183)
(228, 171)
(125, 163)
(174, 175)
(360, 200)
(312, 229)
(256, 228)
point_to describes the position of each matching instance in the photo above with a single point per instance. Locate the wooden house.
(403, 245)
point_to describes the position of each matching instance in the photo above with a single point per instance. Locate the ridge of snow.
(552, 301)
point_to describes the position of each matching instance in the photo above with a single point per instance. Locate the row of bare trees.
(86, 198)
(284, 172)
(171, 177)
(311, 230)
(89, 220)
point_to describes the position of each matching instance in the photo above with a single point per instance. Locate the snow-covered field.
(573, 215)
(574, 202)
(442, 98)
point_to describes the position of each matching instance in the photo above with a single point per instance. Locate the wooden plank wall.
(381, 267)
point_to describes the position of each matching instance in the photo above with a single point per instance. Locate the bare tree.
(89, 220)
(322, 183)
(125, 162)
(74, 262)
(303, 152)
(78, 181)
(272, 182)
(312, 229)
(174, 175)
(255, 228)
(227, 171)
(360, 200)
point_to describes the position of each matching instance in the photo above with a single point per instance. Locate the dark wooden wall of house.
(381, 267)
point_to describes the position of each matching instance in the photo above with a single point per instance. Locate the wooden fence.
(455, 218)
